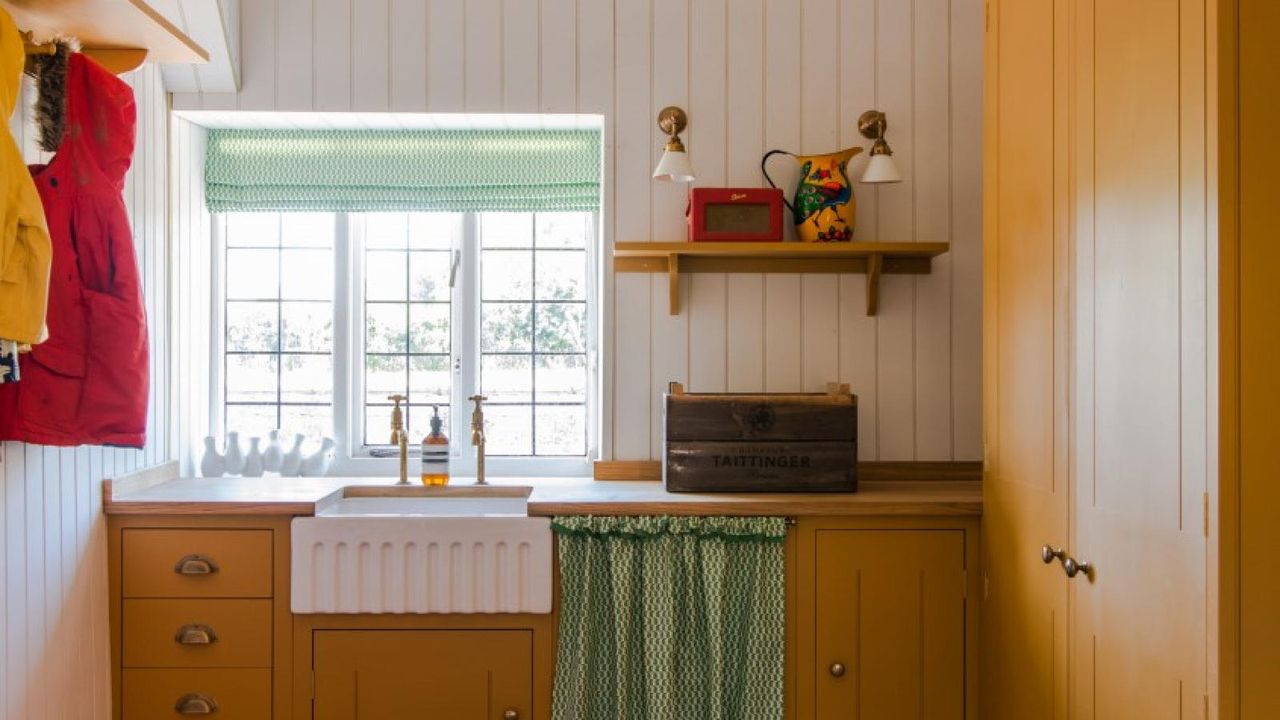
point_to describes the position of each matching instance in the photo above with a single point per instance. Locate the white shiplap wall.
(754, 75)
(53, 556)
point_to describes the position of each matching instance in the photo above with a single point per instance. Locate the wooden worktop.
(160, 492)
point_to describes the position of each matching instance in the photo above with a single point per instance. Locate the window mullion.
(346, 375)
(465, 348)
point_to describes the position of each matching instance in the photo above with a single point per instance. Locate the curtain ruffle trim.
(772, 529)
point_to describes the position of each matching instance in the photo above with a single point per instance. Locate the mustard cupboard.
(1097, 357)
(881, 621)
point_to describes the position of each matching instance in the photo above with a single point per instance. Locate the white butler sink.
(452, 549)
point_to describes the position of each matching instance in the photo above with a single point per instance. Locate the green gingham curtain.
(670, 618)
(402, 170)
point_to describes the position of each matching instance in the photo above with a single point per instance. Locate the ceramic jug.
(317, 463)
(273, 453)
(253, 459)
(292, 460)
(233, 459)
(212, 464)
(823, 208)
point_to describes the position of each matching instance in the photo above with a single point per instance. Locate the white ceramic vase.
(317, 463)
(211, 465)
(233, 458)
(291, 461)
(272, 454)
(253, 460)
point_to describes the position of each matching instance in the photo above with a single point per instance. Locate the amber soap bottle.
(435, 453)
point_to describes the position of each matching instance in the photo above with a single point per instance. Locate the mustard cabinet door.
(890, 624)
(1026, 364)
(423, 674)
(1143, 417)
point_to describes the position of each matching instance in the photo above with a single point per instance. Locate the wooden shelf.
(871, 259)
(114, 31)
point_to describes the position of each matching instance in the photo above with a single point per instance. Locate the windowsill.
(495, 466)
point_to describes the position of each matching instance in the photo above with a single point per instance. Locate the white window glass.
(277, 369)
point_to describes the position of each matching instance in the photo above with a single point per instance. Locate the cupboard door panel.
(1139, 638)
(890, 624)
(1025, 366)
(422, 674)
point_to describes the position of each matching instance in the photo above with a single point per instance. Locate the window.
(328, 314)
(277, 368)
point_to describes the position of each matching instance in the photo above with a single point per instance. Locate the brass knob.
(510, 714)
(195, 704)
(1074, 567)
(195, 634)
(1048, 554)
(836, 669)
(196, 565)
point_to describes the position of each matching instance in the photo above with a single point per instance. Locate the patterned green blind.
(402, 170)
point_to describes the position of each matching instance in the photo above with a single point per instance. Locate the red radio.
(735, 214)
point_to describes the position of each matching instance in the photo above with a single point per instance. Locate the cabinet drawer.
(196, 563)
(197, 633)
(156, 694)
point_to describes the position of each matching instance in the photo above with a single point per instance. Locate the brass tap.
(477, 436)
(400, 437)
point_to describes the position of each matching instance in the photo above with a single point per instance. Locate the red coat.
(87, 384)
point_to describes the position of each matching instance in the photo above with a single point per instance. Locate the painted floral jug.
(823, 208)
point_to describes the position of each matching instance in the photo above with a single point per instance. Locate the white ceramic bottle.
(211, 465)
(272, 454)
(317, 463)
(253, 460)
(233, 458)
(291, 461)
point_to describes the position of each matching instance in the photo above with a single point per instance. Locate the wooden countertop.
(158, 492)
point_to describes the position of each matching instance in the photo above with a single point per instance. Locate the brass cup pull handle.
(195, 704)
(196, 565)
(195, 634)
(837, 669)
(510, 714)
(1048, 554)
(1074, 567)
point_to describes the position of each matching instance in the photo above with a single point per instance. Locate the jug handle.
(769, 180)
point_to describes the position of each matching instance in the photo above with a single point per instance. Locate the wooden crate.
(772, 442)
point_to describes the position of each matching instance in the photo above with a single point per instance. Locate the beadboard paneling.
(755, 75)
(53, 580)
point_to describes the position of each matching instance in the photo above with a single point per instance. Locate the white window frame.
(353, 458)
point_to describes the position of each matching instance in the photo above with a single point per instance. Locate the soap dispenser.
(435, 452)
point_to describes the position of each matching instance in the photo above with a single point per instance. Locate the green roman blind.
(402, 170)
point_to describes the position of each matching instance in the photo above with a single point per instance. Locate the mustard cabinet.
(1098, 396)
(199, 617)
(422, 674)
(885, 628)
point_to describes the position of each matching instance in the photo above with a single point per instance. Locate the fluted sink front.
(422, 550)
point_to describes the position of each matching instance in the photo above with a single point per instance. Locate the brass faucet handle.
(477, 399)
(398, 435)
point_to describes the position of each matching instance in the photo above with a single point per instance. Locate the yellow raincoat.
(24, 238)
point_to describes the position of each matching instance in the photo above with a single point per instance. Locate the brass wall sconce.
(674, 165)
(880, 166)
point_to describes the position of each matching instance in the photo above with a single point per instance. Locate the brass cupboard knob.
(196, 565)
(1048, 554)
(1074, 567)
(510, 714)
(836, 669)
(195, 634)
(195, 704)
